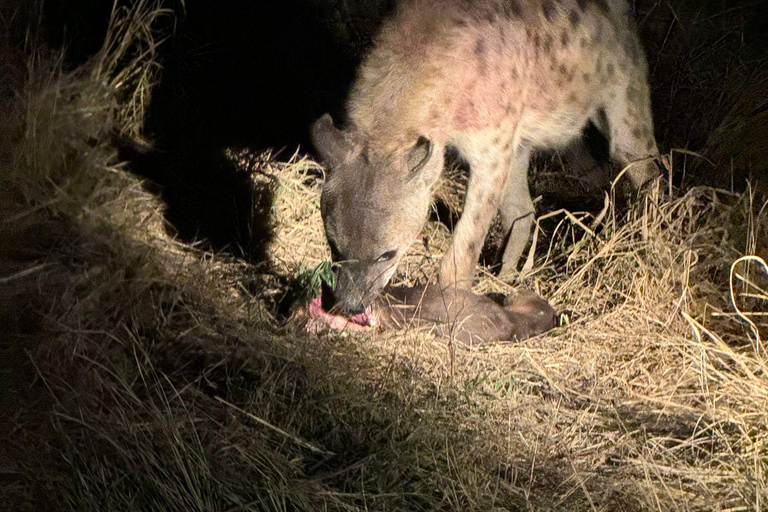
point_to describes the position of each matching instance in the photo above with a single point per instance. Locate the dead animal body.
(496, 80)
(453, 312)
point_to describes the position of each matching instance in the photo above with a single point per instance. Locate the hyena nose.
(332, 300)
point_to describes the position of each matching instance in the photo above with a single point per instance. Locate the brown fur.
(463, 315)
(495, 79)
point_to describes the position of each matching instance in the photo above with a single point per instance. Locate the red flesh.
(317, 315)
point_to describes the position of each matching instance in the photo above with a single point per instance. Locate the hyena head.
(374, 205)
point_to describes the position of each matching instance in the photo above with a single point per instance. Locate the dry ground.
(146, 374)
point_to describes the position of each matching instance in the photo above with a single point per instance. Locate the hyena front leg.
(484, 191)
(630, 124)
(516, 210)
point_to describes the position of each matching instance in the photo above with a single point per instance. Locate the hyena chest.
(554, 128)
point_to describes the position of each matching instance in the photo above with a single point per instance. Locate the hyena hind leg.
(516, 211)
(630, 124)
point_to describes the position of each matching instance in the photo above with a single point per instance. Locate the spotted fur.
(495, 79)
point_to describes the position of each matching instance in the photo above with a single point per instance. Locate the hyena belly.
(496, 79)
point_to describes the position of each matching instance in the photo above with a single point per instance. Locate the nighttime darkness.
(384, 255)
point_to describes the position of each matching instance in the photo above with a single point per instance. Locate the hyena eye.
(386, 256)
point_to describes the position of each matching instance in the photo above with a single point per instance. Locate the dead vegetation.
(148, 374)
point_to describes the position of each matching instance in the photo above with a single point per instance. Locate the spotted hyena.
(495, 79)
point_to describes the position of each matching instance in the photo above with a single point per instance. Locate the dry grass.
(656, 391)
(154, 375)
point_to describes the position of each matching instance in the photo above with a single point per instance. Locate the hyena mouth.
(322, 311)
(319, 316)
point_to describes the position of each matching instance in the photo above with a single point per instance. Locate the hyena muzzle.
(496, 80)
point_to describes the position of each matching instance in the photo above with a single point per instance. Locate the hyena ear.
(329, 141)
(417, 158)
